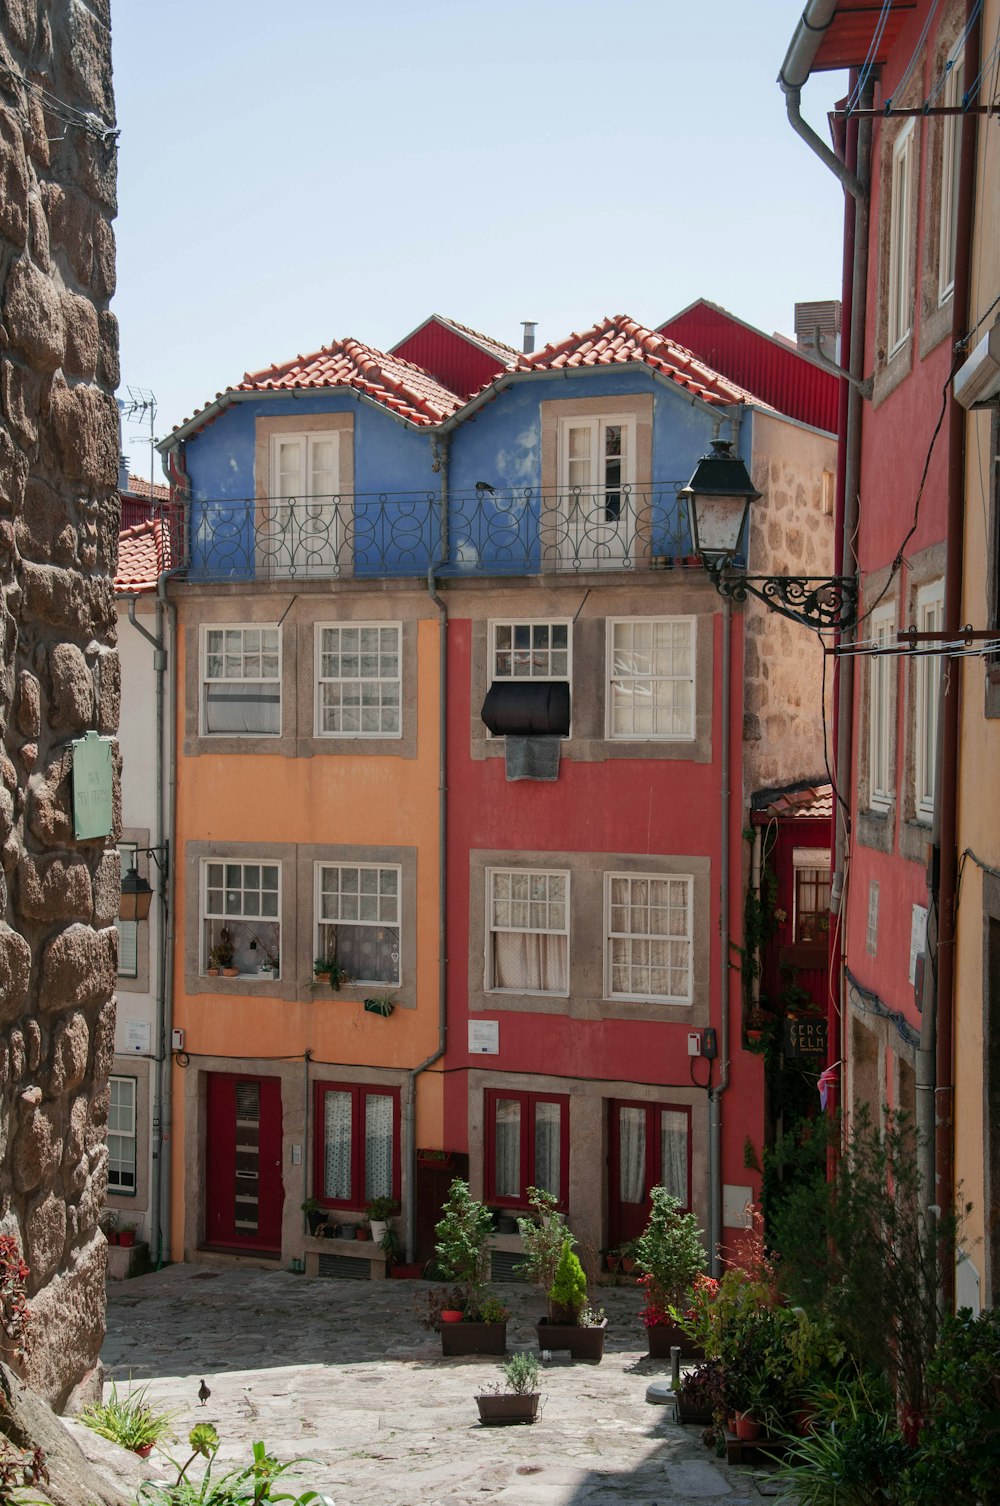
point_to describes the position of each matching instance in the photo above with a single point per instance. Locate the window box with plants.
(461, 1252)
(516, 1398)
(571, 1323)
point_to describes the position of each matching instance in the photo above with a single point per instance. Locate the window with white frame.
(651, 678)
(128, 930)
(595, 480)
(927, 670)
(649, 937)
(530, 650)
(527, 931)
(241, 917)
(308, 520)
(358, 920)
(900, 299)
(951, 148)
(241, 681)
(358, 680)
(880, 710)
(811, 917)
(121, 1135)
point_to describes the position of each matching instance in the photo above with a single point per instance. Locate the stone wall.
(59, 671)
(783, 666)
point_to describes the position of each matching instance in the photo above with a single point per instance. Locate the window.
(356, 1147)
(128, 930)
(871, 937)
(927, 669)
(811, 921)
(651, 678)
(308, 530)
(828, 496)
(241, 916)
(241, 681)
(596, 475)
(358, 920)
(951, 150)
(900, 297)
(880, 708)
(650, 1146)
(121, 1136)
(649, 938)
(528, 931)
(529, 651)
(527, 1145)
(358, 680)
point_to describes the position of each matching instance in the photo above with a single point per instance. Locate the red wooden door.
(243, 1186)
(648, 1144)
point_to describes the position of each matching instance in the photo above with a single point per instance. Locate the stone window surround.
(991, 702)
(890, 1050)
(588, 1134)
(875, 827)
(890, 370)
(935, 314)
(309, 610)
(267, 427)
(924, 568)
(298, 920)
(587, 1000)
(589, 742)
(139, 837)
(132, 1204)
(355, 737)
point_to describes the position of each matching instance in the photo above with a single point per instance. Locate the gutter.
(440, 448)
(795, 71)
(715, 1094)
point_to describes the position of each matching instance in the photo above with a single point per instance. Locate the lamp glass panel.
(720, 523)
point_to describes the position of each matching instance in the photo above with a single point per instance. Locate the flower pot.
(612, 1262)
(693, 1411)
(582, 1343)
(322, 978)
(362, 1232)
(662, 1337)
(405, 1270)
(473, 1338)
(213, 972)
(628, 1264)
(144, 1450)
(348, 1231)
(127, 1238)
(113, 1237)
(378, 1228)
(230, 972)
(501, 1411)
(505, 1223)
(451, 1315)
(747, 1429)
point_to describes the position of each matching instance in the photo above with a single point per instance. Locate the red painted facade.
(782, 377)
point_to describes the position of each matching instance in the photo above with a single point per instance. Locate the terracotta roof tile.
(619, 340)
(143, 553)
(152, 491)
(399, 385)
(814, 802)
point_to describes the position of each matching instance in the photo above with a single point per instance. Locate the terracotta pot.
(407, 1270)
(127, 1237)
(628, 1264)
(501, 1411)
(321, 978)
(452, 1315)
(747, 1428)
(213, 972)
(144, 1450)
(363, 1232)
(230, 972)
(612, 1262)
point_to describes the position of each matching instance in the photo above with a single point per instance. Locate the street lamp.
(718, 496)
(137, 894)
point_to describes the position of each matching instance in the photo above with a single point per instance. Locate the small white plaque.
(484, 1037)
(734, 1206)
(137, 1036)
(918, 938)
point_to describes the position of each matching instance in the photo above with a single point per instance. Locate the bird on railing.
(484, 486)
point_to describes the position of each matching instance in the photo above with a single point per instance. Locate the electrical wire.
(67, 114)
(912, 63)
(864, 72)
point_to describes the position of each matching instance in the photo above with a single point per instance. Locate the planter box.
(501, 1411)
(664, 1336)
(473, 1338)
(686, 1412)
(582, 1343)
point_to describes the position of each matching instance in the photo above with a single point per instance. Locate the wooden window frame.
(528, 1101)
(360, 1092)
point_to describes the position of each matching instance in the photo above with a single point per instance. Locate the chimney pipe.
(528, 344)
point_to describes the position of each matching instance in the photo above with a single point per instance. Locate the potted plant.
(378, 1212)
(670, 1255)
(542, 1237)
(126, 1234)
(321, 970)
(516, 1398)
(108, 1224)
(128, 1420)
(223, 955)
(314, 1214)
(700, 1396)
(463, 1233)
(572, 1323)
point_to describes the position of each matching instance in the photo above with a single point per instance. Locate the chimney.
(528, 344)
(817, 325)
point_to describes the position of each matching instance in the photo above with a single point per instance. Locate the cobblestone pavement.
(344, 1373)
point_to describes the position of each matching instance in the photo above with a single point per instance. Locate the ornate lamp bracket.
(823, 603)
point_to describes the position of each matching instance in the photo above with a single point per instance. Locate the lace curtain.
(378, 1146)
(547, 1167)
(529, 962)
(337, 1146)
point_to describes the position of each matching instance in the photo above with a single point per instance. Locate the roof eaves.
(224, 400)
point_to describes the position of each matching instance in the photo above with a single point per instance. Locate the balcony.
(371, 536)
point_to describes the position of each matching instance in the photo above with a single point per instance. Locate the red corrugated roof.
(619, 340)
(784, 377)
(848, 39)
(461, 358)
(144, 552)
(397, 384)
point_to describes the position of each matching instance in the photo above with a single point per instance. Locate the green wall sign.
(92, 787)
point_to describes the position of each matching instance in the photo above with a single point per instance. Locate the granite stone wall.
(59, 674)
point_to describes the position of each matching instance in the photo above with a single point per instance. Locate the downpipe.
(715, 1094)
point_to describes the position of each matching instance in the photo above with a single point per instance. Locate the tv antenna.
(141, 404)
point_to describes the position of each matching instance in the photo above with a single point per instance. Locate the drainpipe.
(715, 1094)
(440, 453)
(944, 1096)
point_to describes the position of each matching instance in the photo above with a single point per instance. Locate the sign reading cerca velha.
(92, 787)
(805, 1037)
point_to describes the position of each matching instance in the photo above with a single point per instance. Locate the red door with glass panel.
(244, 1193)
(649, 1145)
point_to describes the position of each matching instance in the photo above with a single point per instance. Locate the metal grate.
(344, 1267)
(505, 1265)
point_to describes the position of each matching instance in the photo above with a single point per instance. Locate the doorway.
(244, 1193)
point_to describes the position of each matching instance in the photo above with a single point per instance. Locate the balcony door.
(307, 532)
(596, 493)
(649, 1145)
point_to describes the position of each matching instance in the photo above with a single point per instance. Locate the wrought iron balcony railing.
(486, 532)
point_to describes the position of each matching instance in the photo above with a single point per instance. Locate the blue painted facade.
(391, 525)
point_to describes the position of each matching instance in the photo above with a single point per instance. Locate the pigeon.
(203, 1393)
(484, 486)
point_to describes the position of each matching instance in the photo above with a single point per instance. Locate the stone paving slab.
(341, 1372)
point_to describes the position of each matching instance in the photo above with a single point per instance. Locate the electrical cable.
(916, 52)
(864, 72)
(68, 114)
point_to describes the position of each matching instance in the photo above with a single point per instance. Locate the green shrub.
(958, 1455)
(128, 1420)
(462, 1234)
(568, 1292)
(543, 1238)
(521, 1374)
(669, 1251)
(854, 1454)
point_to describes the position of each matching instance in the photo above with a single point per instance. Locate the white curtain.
(378, 1146)
(547, 1148)
(337, 1146)
(674, 1154)
(632, 1155)
(529, 962)
(507, 1139)
(243, 706)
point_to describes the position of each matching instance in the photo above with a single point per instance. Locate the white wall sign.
(137, 1036)
(484, 1037)
(918, 938)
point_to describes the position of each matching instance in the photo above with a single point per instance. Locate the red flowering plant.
(669, 1255)
(15, 1315)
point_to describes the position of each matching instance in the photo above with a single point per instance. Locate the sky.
(291, 174)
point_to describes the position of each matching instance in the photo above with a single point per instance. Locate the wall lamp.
(137, 894)
(718, 497)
